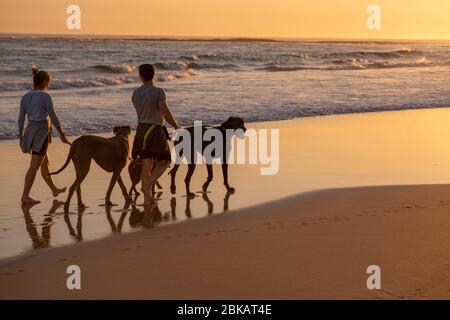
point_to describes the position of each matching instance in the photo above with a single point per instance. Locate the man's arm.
(166, 111)
(168, 115)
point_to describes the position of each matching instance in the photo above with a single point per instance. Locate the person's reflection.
(146, 218)
(117, 228)
(173, 208)
(78, 234)
(43, 240)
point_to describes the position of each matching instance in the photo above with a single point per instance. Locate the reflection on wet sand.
(139, 217)
(117, 228)
(42, 240)
(77, 235)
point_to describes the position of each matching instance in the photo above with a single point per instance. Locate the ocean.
(211, 80)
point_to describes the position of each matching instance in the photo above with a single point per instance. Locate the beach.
(315, 246)
(352, 191)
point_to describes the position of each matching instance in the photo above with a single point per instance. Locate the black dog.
(232, 123)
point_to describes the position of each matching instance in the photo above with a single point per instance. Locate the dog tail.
(69, 157)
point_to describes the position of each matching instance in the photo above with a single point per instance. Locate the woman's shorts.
(150, 141)
(43, 150)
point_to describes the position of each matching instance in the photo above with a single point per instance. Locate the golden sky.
(405, 19)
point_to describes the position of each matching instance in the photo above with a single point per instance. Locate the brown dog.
(111, 154)
(135, 169)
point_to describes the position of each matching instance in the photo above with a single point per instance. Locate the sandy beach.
(308, 232)
(316, 245)
(276, 238)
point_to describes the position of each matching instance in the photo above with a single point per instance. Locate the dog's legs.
(173, 174)
(81, 170)
(133, 187)
(114, 178)
(209, 178)
(80, 202)
(187, 180)
(123, 188)
(135, 190)
(225, 177)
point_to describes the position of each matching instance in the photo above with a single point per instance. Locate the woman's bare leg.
(35, 163)
(45, 171)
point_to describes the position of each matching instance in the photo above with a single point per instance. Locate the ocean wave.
(352, 64)
(176, 75)
(121, 68)
(171, 66)
(392, 54)
(98, 82)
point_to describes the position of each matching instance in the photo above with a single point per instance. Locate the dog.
(111, 154)
(135, 169)
(233, 123)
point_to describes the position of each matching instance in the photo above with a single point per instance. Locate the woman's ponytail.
(39, 77)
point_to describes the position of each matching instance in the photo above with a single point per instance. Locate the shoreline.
(319, 243)
(281, 121)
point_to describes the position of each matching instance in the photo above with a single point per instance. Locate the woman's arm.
(54, 118)
(21, 120)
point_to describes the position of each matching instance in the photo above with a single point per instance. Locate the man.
(150, 142)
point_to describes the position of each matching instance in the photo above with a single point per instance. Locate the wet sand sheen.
(315, 245)
(406, 147)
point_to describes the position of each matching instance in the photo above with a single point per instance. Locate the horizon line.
(218, 38)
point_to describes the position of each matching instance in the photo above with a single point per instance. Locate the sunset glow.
(401, 19)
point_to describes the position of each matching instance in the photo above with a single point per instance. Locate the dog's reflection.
(145, 217)
(40, 240)
(117, 228)
(78, 233)
(209, 204)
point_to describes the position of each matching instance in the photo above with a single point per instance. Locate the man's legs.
(147, 165)
(150, 174)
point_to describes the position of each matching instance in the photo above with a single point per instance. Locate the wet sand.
(314, 245)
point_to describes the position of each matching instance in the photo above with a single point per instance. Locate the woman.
(37, 106)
